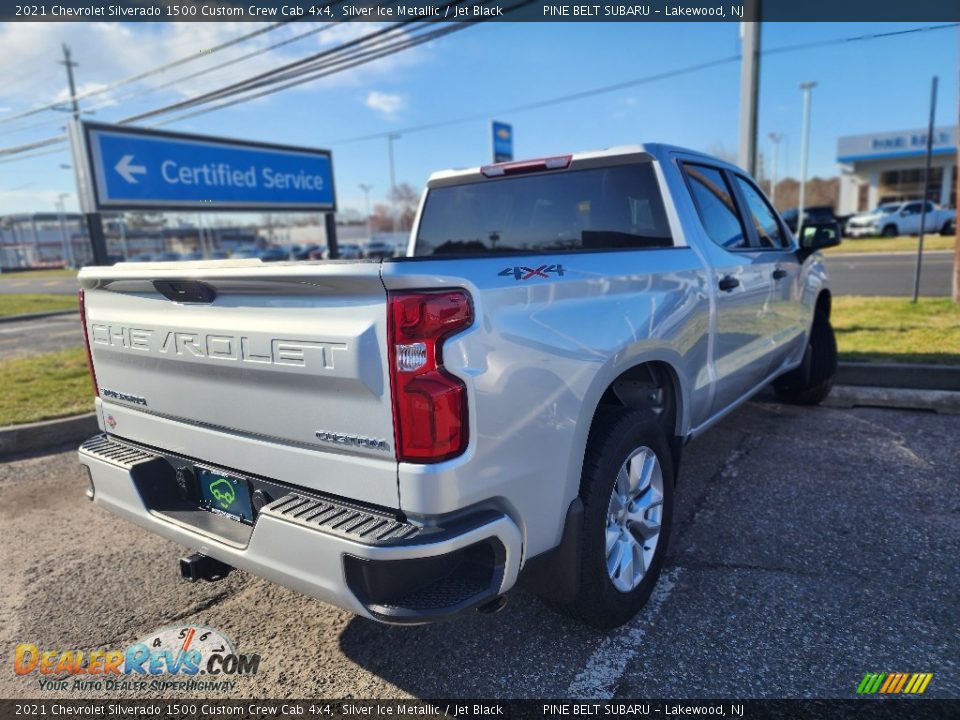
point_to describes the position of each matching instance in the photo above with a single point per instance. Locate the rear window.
(598, 209)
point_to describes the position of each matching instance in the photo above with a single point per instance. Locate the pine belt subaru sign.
(133, 168)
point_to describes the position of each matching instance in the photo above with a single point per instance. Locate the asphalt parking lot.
(812, 545)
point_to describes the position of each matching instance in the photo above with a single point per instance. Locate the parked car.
(246, 253)
(302, 252)
(275, 254)
(378, 249)
(892, 219)
(318, 253)
(142, 257)
(348, 251)
(814, 214)
(402, 438)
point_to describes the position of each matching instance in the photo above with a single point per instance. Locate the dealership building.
(887, 167)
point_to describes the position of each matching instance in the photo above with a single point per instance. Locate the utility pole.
(775, 139)
(804, 151)
(70, 65)
(749, 89)
(926, 188)
(366, 199)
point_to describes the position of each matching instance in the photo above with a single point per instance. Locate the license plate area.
(224, 493)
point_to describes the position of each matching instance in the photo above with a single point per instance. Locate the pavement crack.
(745, 445)
(744, 566)
(199, 607)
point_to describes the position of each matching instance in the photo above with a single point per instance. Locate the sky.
(485, 72)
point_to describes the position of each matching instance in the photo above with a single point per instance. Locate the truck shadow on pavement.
(808, 544)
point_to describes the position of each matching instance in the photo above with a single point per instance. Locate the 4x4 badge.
(521, 272)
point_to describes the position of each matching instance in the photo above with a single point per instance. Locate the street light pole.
(393, 181)
(366, 199)
(63, 229)
(804, 152)
(775, 139)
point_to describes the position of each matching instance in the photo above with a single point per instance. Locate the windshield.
(603, 208)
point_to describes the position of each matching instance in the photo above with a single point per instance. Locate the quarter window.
(764, 219)
(714, 201)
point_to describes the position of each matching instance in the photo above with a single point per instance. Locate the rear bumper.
(359, 558)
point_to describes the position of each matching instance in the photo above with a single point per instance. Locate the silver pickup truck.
(408, 438)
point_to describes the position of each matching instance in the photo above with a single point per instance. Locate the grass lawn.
(45, 386)
(17, 304)
(894, 244)
(63, 272)
(883, 329)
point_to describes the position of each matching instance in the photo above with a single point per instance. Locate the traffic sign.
(502, 141)
(134, 169)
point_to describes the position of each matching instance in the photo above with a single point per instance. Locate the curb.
(885, 253)
(30, 437)
(36, 316)
(899, 375)
(945, 402)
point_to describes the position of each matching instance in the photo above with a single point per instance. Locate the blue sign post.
(136, 169)
(502, 141)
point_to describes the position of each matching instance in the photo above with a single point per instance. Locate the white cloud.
(387, 104)
(106, 52)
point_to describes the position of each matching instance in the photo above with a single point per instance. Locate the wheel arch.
(652, 386)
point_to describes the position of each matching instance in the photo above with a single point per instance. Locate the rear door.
(277, 370)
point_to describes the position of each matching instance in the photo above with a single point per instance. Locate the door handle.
(728, 282)
(779, 273)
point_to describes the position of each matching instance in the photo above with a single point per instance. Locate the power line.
(638, 81)
(312, 73)
(274, 74)
(333, 67)
(148, 73)
(191, 76)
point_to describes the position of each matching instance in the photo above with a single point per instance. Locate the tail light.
(429, 404)
(86, 342)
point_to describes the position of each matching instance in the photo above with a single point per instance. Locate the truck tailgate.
(280, 373)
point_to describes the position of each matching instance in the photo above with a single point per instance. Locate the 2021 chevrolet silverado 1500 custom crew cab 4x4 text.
(403, 437)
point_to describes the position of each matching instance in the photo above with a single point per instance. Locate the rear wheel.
(627, 494)
(810, 384)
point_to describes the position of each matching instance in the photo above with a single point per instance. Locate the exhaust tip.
(494, 606)
(197, 566)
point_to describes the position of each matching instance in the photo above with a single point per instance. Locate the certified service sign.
(133, 168)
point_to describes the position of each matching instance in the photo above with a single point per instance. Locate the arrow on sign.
(127, 170)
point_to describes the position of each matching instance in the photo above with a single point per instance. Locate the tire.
(617, 435)
(889, 231)
(947, 229)
(810, 384)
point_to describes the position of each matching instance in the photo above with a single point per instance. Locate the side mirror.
(819, 235)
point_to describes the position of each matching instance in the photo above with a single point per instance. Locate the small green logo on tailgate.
(224, 493)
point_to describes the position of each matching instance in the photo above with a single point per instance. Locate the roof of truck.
(646, 151)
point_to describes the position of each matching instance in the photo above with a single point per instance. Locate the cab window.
(718, 211)
(770, 233)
